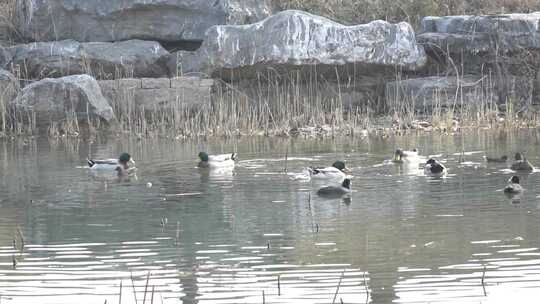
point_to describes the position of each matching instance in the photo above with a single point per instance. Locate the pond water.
(258, 235)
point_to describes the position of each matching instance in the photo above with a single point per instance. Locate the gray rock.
(427, 93)
(108, 20)
(5, 57)
(54, 100)
(159, 94)
(133, 58)
(9, 87)
(296, 39)
(480, 34)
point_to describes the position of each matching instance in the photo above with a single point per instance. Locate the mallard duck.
(501, 159)
(401, 156)
(513, 186)
(336, 190)
(336, 172)
(434, 168)
(220, 161)
(521, 163)
(121, 165)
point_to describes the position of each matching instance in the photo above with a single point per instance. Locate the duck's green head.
(124, 158)
(340, 165)
(203, 156)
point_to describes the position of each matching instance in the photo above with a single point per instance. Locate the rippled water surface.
(260, 235)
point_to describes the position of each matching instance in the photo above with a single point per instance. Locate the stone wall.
(158, 93)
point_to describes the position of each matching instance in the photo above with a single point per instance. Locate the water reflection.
(199, 236)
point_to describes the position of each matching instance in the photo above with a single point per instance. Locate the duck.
(338, 171)
(336, 190)
(521, 163)
(501, 159)
(513, 186)
(401, 156)
(218, 161)
(121, 165)
(434, 168)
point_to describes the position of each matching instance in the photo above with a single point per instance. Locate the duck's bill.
(132, 161)
(347, 170)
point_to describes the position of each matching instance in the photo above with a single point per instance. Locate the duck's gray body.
(501, 159)
(120, 165)
(522, 165)
(221, 161)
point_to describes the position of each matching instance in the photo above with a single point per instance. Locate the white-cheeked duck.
(219, 161)
(434, 168)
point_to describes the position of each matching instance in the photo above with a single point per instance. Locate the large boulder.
(104, 60)
(5, 57)
(481, 34)
(299, 39)
(55, 100)
(153, 94)
(9, 87)
(427, 93)
(108, 20)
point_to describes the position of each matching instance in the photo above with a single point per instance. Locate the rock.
(481, 34)
(9, 87)
(5, 57)
(424, 94)
(162, 20)
(55, 100)
(161, 94)
(104, 60)
(295, 39)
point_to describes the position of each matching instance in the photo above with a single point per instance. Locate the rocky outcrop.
(9, 87)
(481, 34)
(5, 57)
(424, 94)
(163, 20)
(161, 94)
(57, 100)
(104, 60)
(295, 39)
(497, 46)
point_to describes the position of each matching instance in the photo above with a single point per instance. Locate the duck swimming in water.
(521, 163)
(220, 161)
(121, 165)
(513, 186)
(401, 156)
(336, 190)
(336, 172)
(433, 168)
(501, 159)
